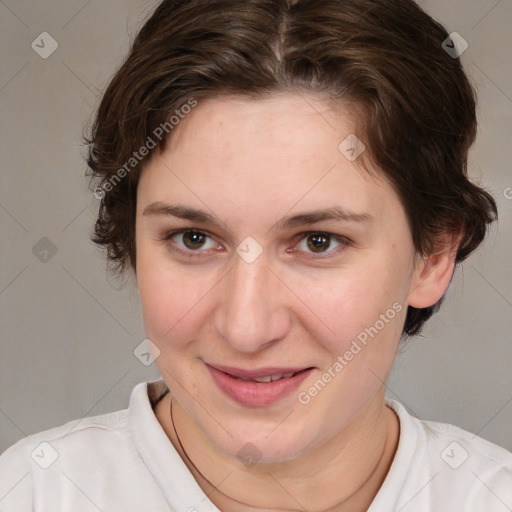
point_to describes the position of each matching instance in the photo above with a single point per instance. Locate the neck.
(349, 468)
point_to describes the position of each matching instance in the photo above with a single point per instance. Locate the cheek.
(171, 299)
(351, 300)
(364, 312)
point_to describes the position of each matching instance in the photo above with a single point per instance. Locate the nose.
(251, 314)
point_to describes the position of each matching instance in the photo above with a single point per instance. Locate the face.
(262, 250)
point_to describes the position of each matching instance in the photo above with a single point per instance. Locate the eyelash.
(344, 242)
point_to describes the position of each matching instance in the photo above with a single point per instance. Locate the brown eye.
(193, 240)
(318, 242)
(189, 241)
(322, 244)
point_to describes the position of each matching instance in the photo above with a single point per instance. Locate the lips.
(257, 388)
(257, 374)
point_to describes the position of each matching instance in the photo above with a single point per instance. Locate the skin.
(250, 163)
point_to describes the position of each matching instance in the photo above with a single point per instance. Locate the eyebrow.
(301, 219)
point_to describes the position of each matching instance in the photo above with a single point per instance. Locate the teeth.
(271, 378)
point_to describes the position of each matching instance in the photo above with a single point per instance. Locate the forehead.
(291, 121)
(263, 153)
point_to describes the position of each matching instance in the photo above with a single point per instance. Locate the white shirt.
(124, 462)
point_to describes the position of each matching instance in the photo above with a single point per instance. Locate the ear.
(433, 272)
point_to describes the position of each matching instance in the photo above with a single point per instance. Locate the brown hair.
(386, 56)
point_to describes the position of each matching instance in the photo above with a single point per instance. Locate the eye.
(320, 243)
(189, 241)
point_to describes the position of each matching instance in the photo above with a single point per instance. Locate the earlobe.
(433, 273)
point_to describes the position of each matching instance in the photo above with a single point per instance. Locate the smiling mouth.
(257, 388)
(263, 375)
(268, 378)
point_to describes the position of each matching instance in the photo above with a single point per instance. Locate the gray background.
(68, 331)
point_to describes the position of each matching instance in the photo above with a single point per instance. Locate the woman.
(286, 181)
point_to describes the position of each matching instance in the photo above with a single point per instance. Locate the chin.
(253, 448)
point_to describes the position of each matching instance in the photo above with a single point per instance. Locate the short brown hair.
(418, 108)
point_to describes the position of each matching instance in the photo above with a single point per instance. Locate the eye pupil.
(193, 240)
(316, 242)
